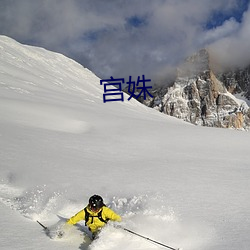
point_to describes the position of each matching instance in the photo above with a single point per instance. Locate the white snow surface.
(182, 185)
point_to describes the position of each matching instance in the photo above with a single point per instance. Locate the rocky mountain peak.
(196, 64)
(201, 97)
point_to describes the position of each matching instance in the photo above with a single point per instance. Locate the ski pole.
(146, 238)
(45, 228)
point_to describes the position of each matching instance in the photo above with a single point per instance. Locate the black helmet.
(95, 202)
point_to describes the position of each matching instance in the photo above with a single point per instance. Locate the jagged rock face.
(197, 96)
(237, 81)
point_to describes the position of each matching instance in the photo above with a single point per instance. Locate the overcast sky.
(131, 37)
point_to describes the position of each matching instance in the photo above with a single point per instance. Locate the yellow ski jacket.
(94, 223)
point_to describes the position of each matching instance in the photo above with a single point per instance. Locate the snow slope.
(176, 183)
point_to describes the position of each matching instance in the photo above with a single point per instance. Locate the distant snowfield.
(179, 184)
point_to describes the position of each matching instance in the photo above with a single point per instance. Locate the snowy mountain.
(204, 97)
(182, 185)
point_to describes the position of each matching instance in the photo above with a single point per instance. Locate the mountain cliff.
(204, 97)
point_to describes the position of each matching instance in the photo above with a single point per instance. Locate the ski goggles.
(94, 208)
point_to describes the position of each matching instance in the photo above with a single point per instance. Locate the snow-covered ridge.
(25, 59)
(33, 74)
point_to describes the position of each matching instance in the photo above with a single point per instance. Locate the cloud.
(233, 49)
(228, 28)
(122, 38)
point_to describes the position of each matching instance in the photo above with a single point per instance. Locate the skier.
(95, 214)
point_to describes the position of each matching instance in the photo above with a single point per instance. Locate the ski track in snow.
(145, 214)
